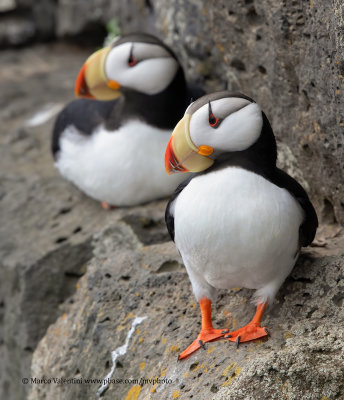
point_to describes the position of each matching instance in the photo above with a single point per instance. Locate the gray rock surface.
(302, 360)
(23, 21)
(77, 16)
(16, 31)
(46, 224)
(73, 277)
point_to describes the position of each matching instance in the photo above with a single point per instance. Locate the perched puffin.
(240, 221)
(113, 150)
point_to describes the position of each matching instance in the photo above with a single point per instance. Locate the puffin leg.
(252, 330)
(207, 334)
(107, 206)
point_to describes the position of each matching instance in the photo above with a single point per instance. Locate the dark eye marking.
(132, 60)
(214, 122)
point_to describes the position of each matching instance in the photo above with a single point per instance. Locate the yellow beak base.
(92, 81)
(181, 153)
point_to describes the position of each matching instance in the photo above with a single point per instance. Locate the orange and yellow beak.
(92, 82)
(181, 153)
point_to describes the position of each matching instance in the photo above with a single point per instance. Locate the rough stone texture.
(76, 17)
(23, 21)
(46, 225)
(288, 56)
(16, 31)
(302, 360)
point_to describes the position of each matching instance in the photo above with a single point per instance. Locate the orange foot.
(249, 332)
(206, 335)
(107, 206)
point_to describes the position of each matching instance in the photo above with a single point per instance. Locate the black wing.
(85, 115)
(169, 217)
(309, 225)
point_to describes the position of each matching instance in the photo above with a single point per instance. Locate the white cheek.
(236, 132)
(149, 76)
(117, 61)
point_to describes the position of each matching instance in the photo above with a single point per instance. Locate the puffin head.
(215, 126)
(136, 62)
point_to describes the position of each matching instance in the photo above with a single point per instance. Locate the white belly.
(235, 228)
(123, 168)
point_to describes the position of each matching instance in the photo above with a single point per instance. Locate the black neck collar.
(162, 110)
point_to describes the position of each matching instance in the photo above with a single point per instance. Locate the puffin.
(110, 142)
(238, 221)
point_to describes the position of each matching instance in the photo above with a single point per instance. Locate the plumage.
(240, 221)
(85, 115)
(104, 174)
(113, 150)
(235, 228)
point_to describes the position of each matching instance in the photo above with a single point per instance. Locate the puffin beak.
(92, 82)
(181, 153)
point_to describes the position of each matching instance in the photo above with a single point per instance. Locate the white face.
(237, 124)
(146, 68)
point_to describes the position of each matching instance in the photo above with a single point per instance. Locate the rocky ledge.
(303, 358)
(88, 294)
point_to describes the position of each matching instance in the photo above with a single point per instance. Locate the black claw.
(227, 337)
(224, 331)
(237, 341)
(267, 332)
(201, 343)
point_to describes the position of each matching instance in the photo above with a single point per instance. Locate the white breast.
(235, 228)
(123, 167)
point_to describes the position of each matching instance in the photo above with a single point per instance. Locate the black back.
(85, 115)
(310, 223)
(169, 218)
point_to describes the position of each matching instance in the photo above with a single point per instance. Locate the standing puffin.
(240, 221)
(113, 149)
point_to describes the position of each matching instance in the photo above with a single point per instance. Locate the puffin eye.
(132, 60)
(214, 122)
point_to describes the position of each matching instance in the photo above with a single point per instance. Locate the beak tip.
(168, 157)
(80, 87)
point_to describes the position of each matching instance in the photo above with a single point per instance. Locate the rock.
(74, 277)
(16, 32)
(302, 359)
(28, 21)
(44, 14)
(7, 5)
(44, 243)
(84, 19)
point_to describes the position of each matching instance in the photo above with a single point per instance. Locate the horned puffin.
(113, 148)
(239, 220)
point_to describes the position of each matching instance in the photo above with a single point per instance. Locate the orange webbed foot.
(107, 206)
(206, 335)
(247, 333)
